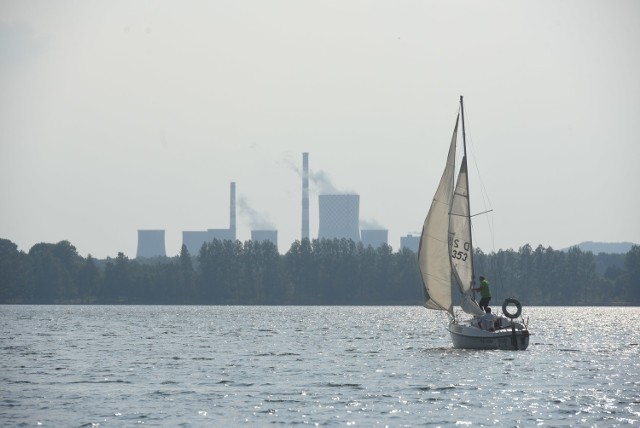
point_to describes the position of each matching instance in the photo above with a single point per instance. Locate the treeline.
(318, 272)
(546, 277)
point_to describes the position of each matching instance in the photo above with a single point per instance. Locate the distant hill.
(605, 247)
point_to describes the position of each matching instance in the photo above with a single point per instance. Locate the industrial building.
(339, 217)
(194, 240)
(151, 244)
(265, 235)
(374, 237)
(410, 242)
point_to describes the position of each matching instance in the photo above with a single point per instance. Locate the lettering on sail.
(459, 249)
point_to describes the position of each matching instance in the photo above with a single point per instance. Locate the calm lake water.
(344, 366)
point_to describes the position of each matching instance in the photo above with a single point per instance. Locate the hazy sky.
(124, 115)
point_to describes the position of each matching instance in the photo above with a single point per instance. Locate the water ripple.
(225, 366)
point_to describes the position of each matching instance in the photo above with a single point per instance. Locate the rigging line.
(470, 216)
(471, 145)
(480, 213)
(483, 190)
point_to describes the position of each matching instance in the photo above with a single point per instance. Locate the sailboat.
(445, 257)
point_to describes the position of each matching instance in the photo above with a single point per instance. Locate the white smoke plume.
(319, 180)
(322, 183)
(257, 221)
(371, 224)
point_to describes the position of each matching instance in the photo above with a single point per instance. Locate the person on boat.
(485, 293)
(487, 321)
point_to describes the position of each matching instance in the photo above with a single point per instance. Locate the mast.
(464, 134)
(464, 144)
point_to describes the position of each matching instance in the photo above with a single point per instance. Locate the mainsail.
(460, 245)
(433, 254)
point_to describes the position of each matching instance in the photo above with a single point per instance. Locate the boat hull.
(469, 337)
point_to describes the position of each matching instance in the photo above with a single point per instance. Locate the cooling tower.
(265, 235)
(339, 217)
(374, 237)
(151, 243)
(232, 210)
(305, 196)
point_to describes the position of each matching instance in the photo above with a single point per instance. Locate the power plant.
(339, 217)
(374, 237)
(193, 240)
(151, 244)
(410, 242)
(265, 235)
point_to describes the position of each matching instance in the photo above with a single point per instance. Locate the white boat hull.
(470, 337)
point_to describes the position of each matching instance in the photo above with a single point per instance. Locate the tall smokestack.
(305, 195)
(232, 210)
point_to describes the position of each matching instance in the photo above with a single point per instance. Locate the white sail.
(460, 246)
(445, 257)
(433, 254)
(460, 233)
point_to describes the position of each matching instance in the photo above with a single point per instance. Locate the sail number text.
(460, 250)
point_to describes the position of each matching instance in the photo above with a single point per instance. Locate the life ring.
(506, 304)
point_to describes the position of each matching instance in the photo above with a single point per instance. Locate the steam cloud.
(256, 220)
(320, 180)
(371, 225)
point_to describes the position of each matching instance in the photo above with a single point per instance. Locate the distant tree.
(579, 276)
(53, 272)
(89, 280)
(610, 262)
(7, 248)
(613, 272)
(265, 265)
(406, 282)
(504, 266)
(220, 279)
(336, 271)
(187, 276)
(14, 274)
(118, 283)
(632, 276)
(302, 272)
(336, 263)
(162, 284)
(368, 287)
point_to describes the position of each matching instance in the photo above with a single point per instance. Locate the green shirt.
(484, 288)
